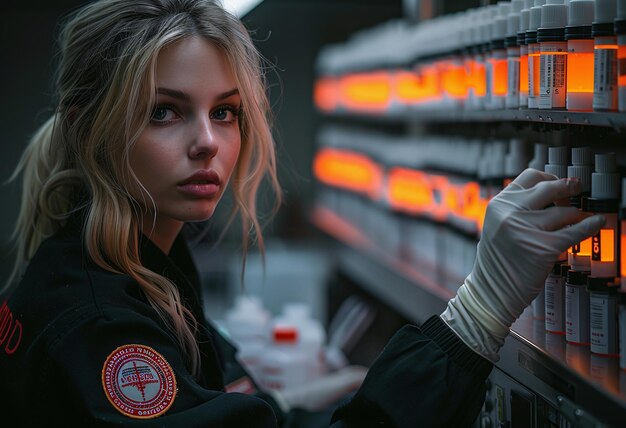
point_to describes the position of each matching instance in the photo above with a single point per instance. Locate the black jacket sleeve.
(425, 377)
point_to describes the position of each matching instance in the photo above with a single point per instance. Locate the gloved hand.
(321, 392)
(520, 243)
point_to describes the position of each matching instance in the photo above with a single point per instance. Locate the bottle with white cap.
(497, 73)
(513, 54)
(312, 336)
(620, 32)
(580, 55)
(533, 53)
(523, 53)
(247, 325)
(605, 194)
(579, 255)
(538, 162)
(552, 57)
(558, 160)
(516, 160)
(540, 157)
(605, 56)
(477, 79)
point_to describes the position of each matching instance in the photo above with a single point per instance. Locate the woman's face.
(185, 156)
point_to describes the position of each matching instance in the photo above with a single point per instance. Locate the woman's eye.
(162, 114)
(225, 114)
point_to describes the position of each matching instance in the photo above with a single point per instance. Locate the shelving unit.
(614, 121)
(568, 377)
(432, 96)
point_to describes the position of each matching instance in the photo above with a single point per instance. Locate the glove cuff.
(470, 330)
(437, 330)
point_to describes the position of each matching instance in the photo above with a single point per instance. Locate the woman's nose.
(204, 141)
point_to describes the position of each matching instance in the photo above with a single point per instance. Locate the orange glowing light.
(500, 76)
(479, 79)
(430, 84)
(580, 72)
(348, 170)
(621, 66)
(454, 79)
(523, 75)
(366, 91)
(585, 248)
(533, 63)
(608, 47)
(441, 189)
(607, 242)
(407, 87)
(325, 93)
(410, 190)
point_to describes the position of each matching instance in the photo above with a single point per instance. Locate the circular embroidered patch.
(138, 381)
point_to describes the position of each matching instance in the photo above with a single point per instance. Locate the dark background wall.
(289, 34)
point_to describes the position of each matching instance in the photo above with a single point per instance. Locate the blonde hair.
(79, 159)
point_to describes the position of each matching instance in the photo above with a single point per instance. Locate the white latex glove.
(321, 392)
(521, 241)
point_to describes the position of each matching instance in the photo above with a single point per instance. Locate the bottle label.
(602, 319)
(605, 79)
(554, 303)
(532, 58)
(552, 72)
(512, 97)
(596, 252)
(576, 314)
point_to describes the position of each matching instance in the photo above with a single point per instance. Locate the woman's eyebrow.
(227, 94)
(174, 93)
(185, 97)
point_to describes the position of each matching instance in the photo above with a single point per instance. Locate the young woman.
(161, 107)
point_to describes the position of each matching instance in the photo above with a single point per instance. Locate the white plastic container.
(312, 336)
(247, 325)
(283, 365)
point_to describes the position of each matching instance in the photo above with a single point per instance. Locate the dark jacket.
(82, 346)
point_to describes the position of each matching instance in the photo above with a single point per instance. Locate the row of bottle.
(588, 311)
(545, 54)
(281, 352)
(442, 178)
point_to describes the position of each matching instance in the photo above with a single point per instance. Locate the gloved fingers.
(553, 218)
(529, 178)
(566, 237)
(546, 193)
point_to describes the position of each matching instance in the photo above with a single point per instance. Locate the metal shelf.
(544, 362)
(616, 121)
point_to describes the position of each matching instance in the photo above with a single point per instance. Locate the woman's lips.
(202, 184)
(200, 189)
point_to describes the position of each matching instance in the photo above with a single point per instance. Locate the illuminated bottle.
(484, 34)
(533, 54)
(523, 56)
(580, 56)
(513, 54)
(579, 255)
(620, 31)
(605, 56)
(497, 74)
(605, 193)
(478, 94)
(552, 57)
